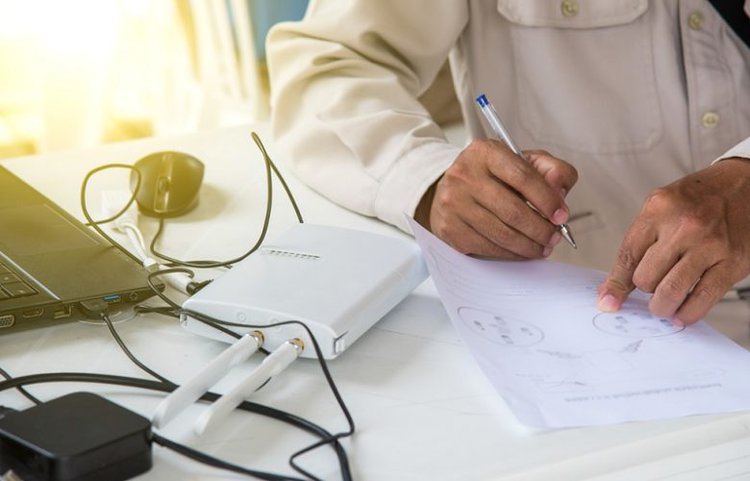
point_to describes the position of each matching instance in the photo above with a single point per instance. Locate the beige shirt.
(634, 93)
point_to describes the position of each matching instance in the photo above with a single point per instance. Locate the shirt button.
(695, 20)
(569, 8)
(710, 120)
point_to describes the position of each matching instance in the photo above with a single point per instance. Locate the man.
(640, 97)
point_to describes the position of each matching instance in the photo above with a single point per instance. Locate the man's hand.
(479, 205)
(688, 246)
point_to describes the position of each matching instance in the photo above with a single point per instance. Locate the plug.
(80, 436)
(94, 308)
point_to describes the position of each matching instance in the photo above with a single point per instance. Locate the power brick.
(77, 437)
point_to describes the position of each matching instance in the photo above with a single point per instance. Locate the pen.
(497, 126)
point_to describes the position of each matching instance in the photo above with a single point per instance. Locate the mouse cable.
(271, 170)
(224, 326)
(184, 284)
(249, 406)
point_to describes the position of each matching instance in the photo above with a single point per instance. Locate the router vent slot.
(289, 254)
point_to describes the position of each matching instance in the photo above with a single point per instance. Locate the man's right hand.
(479, 205)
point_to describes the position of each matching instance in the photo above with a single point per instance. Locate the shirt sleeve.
(344, 88)
(740, 150)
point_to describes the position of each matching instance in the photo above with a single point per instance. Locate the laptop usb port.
(113, 299)
(7, 320)
(33, 313)
(62, 312)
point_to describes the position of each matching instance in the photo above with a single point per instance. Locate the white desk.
(422, 408)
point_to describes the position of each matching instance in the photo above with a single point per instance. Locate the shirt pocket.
(585, 73)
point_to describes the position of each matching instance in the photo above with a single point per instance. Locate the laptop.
(50, 262)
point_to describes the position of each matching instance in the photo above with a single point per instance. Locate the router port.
(33, 313)
(62, 312)
(7, 320)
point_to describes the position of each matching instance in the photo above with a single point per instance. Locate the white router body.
(337, 281)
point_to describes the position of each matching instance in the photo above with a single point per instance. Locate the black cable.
(163, 310)
(174, 309)
(215, 462)
(217, 324)
(278, 176)
(93, 223)
(223, 327)
(248, 406)
(270, 170)
(84, 206)
(334, 439)
(124, 348)
(20, 389)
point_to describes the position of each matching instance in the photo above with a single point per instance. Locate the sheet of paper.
(558, 362)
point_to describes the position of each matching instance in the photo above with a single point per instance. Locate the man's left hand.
(688, 246)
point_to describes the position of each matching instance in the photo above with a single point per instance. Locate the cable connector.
(94, 308)
(179, 280)
(194, 286)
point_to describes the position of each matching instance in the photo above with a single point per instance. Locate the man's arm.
(345, 83)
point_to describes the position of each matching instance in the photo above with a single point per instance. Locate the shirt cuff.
(408, 180)
(740, 150)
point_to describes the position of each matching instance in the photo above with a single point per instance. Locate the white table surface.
(422, 408)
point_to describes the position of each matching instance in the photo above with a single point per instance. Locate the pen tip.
(565, 230)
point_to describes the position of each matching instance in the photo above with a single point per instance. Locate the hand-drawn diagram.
(558, 362)
(500, 329)
(634, 323)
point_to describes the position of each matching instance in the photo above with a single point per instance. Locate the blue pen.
(497, 126)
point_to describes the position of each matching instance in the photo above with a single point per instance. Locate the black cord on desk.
(164, 385)
(133, 359)
(20, 389)
(224, 327)
(270, 170)
(248, 406)
(174, 309)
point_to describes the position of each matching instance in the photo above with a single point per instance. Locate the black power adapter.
(77, 437)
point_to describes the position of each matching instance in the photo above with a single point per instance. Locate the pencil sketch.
(500, 329)
(535, 331)
(634, 323)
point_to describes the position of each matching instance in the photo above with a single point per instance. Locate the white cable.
(194, 388)
(136, 238)
(272, 365)
(112, 202)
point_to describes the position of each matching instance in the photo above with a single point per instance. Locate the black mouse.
(170, 183)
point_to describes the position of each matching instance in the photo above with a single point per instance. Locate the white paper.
(559, 362)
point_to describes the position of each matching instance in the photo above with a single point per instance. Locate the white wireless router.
(338, 282)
